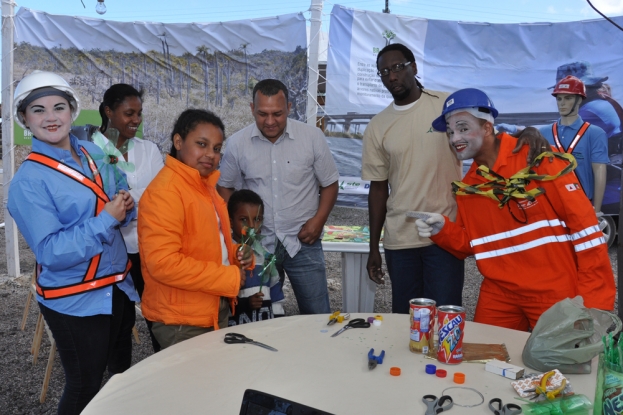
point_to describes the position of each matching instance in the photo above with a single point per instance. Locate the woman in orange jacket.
(191, 268)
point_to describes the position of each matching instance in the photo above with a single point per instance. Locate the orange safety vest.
(90, 281)
(575, 140)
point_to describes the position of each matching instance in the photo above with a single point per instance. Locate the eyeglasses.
(395, 69)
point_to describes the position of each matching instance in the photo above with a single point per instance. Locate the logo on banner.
(353, 185)
(388, 35)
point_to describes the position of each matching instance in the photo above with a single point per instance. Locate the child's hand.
(255, 301)
(244, 255)
(128, 201)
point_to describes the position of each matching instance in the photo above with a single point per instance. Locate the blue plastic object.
(379, 358)
(431, 369)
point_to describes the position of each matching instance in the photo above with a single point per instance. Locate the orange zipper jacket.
(180, 248)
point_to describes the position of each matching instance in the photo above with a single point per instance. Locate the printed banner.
(517, 65)
(187, 65)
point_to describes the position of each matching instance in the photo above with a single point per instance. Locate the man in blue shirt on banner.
(588, 143)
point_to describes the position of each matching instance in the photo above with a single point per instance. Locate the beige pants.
(168, 335)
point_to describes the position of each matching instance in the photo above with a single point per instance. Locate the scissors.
(508, 409)
(357, 323)
(233, 338)
(436, 406)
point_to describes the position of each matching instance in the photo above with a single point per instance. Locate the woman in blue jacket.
(69, 209)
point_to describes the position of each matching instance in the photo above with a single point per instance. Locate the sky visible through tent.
(521, 11)
(212, 11)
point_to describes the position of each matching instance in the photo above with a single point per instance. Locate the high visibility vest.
(575, 140)
(90, 281)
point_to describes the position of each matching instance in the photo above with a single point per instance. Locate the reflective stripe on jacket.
(558, 252)
(90, 281)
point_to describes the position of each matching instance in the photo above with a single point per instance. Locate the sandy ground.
(20, 380)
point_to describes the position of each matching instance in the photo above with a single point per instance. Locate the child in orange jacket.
(192, 270)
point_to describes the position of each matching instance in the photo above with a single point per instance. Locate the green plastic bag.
(609, 391)
(567, 336)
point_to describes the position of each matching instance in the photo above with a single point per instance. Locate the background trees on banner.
(516, 64)
(202, 65)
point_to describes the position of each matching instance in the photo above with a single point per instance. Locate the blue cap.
(431, 369)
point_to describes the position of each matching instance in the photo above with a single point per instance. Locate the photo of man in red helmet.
(572, 134)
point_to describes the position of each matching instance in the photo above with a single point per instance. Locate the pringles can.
(422, 318)
(451, 327)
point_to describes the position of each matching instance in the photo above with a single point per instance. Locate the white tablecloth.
(204, 375)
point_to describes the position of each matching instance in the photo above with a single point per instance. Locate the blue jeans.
(308, 276)
(428, 272)
(86, 345)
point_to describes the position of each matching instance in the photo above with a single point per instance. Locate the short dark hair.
(113, 97)
(406, 52)
(270, 87)
(242, 196)
(189, 120)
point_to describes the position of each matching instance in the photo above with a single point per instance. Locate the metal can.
(422, 318)
(451, 328)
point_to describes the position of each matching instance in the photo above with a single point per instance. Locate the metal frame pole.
(312, 63)
(8, 155)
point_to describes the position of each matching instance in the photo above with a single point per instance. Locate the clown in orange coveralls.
(532, 230)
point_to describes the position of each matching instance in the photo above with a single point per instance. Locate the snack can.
(422, 313)
(451, 327)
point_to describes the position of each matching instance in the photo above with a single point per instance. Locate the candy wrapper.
(530, 382)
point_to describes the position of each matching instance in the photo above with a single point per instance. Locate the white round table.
(206, 375)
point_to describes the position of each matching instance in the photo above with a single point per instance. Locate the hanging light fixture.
(100, 7)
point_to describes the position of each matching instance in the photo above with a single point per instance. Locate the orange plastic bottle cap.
(394, 371)
(459, 377)
(378, 317)
(441, 373)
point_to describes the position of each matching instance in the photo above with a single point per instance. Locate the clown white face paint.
(465, 134)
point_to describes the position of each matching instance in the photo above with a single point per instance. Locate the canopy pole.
(8, 155)
(312, 68)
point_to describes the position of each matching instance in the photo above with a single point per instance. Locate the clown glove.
(601, 221)
(428, 223)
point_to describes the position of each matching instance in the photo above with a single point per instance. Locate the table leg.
(357, 289)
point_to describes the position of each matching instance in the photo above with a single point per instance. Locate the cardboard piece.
(504, 369)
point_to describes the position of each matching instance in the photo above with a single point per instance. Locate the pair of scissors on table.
(508, 409)
(233, 338)
(357, 323)
(436, 406)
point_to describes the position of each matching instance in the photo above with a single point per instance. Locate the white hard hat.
(42, 79)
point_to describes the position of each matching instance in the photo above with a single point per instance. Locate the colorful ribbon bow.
(502, 190)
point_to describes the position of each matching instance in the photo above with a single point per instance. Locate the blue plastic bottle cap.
(431, 369)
